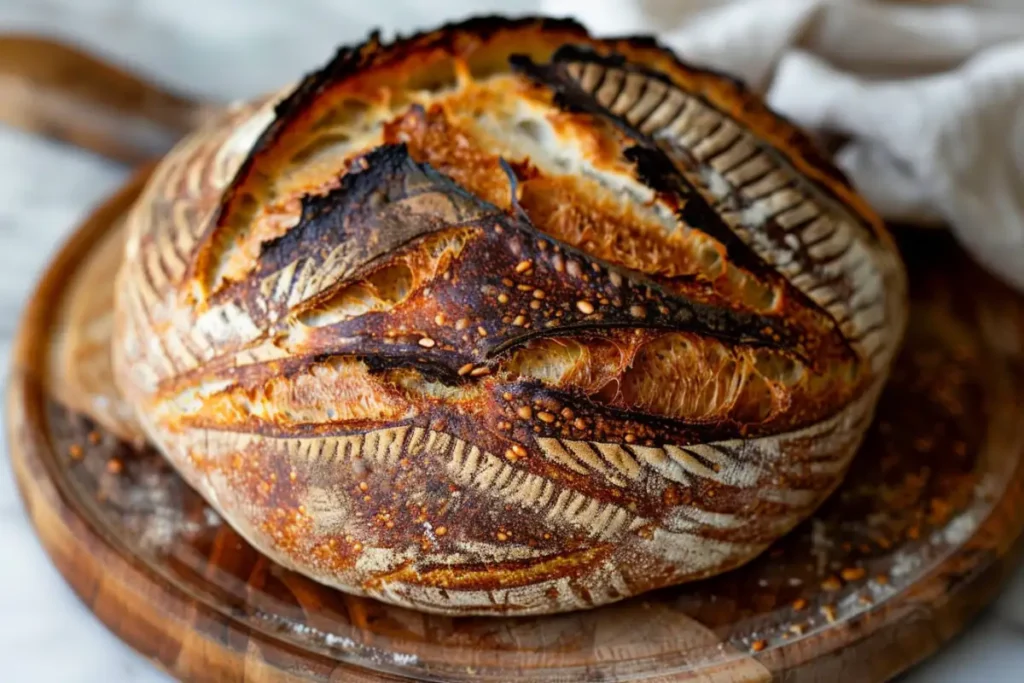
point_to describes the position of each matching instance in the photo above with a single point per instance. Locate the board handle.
(62, 93)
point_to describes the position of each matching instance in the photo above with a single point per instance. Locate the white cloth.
(930, 95)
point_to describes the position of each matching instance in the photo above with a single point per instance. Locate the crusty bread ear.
(504, 319)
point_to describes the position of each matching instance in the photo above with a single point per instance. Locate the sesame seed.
(524, 266)
(614, 278)
(758, 645)
(507, 282)
(482, 370)
(363, 486)
(832, 583)
(502, 536)
(535, 305)
(519, 450)
(567, 413)
(538, 294)
(481, 331)
(519, 320)
(830, 613)
(503, 298)
(558, 262)
(440, 531)
(585, 307)
(293, 475)
(525, 412)
(465, 369)
(544, 416)
(853, 573)
(439, 319)
(573, 268)
(510, 455)
(461, 324)
(580, 423)
(427, 343)
(799, 604)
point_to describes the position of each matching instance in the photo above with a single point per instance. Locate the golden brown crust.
(504, 319)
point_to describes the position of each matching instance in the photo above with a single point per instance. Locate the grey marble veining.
(222, 49)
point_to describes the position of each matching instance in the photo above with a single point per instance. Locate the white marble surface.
(224, 49)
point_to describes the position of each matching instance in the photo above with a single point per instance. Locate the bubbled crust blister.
(502, 318)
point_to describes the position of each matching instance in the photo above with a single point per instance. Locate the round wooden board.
(912, 545)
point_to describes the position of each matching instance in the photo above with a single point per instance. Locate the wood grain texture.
(58, 91)
(915, 541)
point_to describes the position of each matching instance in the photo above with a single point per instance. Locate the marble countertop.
(222, 49)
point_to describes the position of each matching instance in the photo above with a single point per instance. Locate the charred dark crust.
(654, 167)
(804, 146)
(374, 212)
(801, 142)
(349, 61)
(621, 298)
(346, 60)
(371, 213)
(596, 421)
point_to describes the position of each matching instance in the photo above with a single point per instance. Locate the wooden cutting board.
(919, 537)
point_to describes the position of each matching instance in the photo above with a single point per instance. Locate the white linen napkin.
(930, 95)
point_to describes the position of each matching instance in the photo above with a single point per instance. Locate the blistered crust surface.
(505, 319)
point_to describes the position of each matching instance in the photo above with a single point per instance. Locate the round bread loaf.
(506, 319)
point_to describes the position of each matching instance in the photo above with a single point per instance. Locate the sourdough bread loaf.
(506, 319)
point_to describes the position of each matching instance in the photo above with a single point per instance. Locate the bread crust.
(505, 319)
